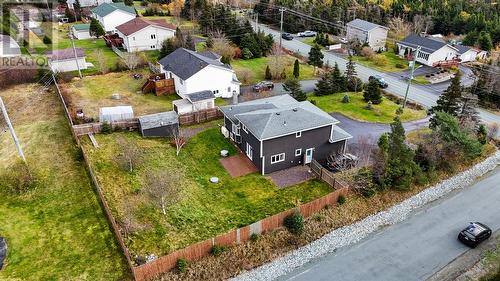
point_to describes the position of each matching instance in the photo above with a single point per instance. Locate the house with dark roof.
(366, 32)
(193, 102)
(163, 124)
(432, 52)
(196, 72)
(64, 60)
(279, 132)
(140, 34)
(111, 15)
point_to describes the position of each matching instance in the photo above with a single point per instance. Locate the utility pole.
(11, 129)
(76, 56)
(281, 25)
(411, 75)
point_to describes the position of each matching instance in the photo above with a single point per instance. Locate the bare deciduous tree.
(398, 28)
(179, 140)
(277, 62)
(245, 75)
(130, 155)
(175, 8)
(101, 61)
(131, 60)
(163, 188)
(222, 46)
(422, 23)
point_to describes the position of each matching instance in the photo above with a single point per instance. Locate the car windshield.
(474, 229)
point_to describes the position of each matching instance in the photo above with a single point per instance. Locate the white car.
(307, 33)
(343, 40)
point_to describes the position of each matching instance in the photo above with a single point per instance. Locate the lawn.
(356, 108)
(390, 66)
(94, 92)
(57, 231)
(308, 40)
(205, 209)
(420, 80)
(257, 68)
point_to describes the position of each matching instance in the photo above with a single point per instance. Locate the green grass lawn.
(94, 92)
(257, 68)
(420, 80)
(355, 109)
(57, 231)
(308, 40)
(390, 66)
(206, 209)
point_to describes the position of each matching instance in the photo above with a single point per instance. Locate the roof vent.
(277, 113)
(295, 109)
(284, 123)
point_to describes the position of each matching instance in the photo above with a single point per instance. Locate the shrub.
(294, 223)
(246, 54)
(18, 178)
(181, 265)
(380, 60)
(46, 40)
(400, 65)
(313, 102)
(399, 111)
(268, 75)
(367, 52)
(217, 250)
(345, 99)
(254, 237)
(106, 128)
(363, 182)
(341, 199)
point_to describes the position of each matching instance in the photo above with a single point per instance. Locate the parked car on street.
(263, 86)
(343, 40)
(287, 36)
(474, 234)
(380, 81)
(307, 33)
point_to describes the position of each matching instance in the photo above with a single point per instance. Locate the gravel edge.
(353, 233)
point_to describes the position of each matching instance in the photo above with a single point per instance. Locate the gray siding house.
(279, 132)
(366, 32)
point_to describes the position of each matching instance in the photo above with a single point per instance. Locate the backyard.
(94, 92)
(257, 68)
(204, 209)
(356, 108)
(391, 62)
(56, 231)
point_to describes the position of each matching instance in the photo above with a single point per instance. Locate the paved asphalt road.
(415, 248)
(422, 94)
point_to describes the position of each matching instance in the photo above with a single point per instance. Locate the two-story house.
(366, 32)
(140, 34)
(197, 72)
(279, 132)
(111, 15)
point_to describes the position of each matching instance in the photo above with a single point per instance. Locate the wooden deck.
(238, 165)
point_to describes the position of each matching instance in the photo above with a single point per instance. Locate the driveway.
(415, 248)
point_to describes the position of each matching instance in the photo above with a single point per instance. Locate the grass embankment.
(420, 80)
(205, 209)
(356, 108)
(257, 69)
(94, 92)
(393, 63)
(58, 230)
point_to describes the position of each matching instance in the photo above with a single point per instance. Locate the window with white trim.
(236, 129)
(298, 151)
(298, 134)
(244, 128)
(153, 36)
(278, 158)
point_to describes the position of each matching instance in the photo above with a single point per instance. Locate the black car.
(380, 80)
(474, 234)
(287, 36)
(263, 86)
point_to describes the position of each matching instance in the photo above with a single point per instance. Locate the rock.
(214, 179)
(3, 251)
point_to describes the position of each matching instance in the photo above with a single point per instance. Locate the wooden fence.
(200, 116)
(196, 251)
(326, 175)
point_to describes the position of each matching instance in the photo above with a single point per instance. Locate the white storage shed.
(116, 113)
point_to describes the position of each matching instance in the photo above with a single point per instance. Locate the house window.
(236, 129)
(182, 81)
(153, 46)
(153, 36)
(229, 89)
(298, 151)
(298, 134)
(278, 158)
(133, 38)
(244, 128)
(249, 151)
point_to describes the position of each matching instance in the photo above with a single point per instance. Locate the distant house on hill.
(139, 34)
(366, 32)
(111, 15)
(432, 51)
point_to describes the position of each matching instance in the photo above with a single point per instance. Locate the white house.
(366, 32)
(87, 3)
(139, 34)
(431, 52)
(81, 31)
(9, 47)
(195, 102)
(111, 15)
(466, 54)
(65, 60)
(196, 72)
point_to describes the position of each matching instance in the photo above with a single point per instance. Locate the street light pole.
(281, 25)
(411, 75)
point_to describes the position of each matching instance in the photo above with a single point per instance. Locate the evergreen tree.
(179, 41)
(129, 2)
(351, 75)
(338, 81)
(210, 42)
(268, 75)
(484, 41)
(167, 47)
(449, 101)
(323, 86)
(292, 86)
(372, 92)
(316, 57)
(70, 14)
(96, 29)
(296, 69)
(190, 42)
(468, 116)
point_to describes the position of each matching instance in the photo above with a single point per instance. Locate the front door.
(249, 151)
(308, 155)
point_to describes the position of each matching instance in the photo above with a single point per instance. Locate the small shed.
(65, 60)
(116, 113)
(164, 124)
(81, 31)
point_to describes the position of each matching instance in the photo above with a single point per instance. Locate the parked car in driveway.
(474, 234)
(263, 86)
(343, 40)
(307, 33)
(380, 81)
(287, 36)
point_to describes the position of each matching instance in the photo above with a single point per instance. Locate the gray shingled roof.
(211, 55)
(202, 95)
(65, 54)
(82, 27)
(364, 25)
(428, 45)
(158, 120)
(107, 8)
(339, 134)
(185, 63)
(462, 49)
(277, 116)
